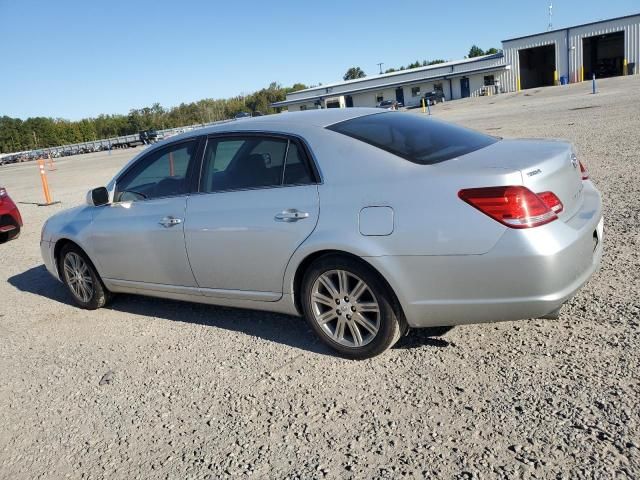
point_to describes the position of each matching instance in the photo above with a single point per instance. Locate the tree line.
(474, 51)
(41, 132)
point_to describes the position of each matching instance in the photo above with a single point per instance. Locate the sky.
(79, 58)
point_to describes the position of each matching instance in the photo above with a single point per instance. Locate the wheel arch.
(60, 244)
(306, 262)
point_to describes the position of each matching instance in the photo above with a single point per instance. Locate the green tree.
(492, 51)
(353, 73)
(296, 87)
(18, 135)
(475, 51)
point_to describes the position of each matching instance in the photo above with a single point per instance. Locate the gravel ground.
(159, 389)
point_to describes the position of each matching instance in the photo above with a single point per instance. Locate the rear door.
(258, 202)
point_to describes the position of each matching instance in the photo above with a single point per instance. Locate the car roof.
(285, 122)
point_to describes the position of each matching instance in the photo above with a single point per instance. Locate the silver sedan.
(367, 223)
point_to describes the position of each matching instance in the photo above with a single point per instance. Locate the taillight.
(513, 206)
(551, 201)
(584, 172)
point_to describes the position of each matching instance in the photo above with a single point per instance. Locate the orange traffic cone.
(45, 185)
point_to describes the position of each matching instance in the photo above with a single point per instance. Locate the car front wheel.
(81, 279)
(349, 307)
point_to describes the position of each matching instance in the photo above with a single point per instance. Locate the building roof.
(572, 27)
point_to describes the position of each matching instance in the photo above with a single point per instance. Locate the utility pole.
(550, 26)
(380, 66)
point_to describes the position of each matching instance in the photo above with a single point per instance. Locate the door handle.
(167, 222)
(291, 215)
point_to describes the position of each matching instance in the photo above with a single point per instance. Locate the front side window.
(162, 173)
(419, 139)
(236, 163)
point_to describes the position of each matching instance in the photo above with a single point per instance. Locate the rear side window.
(413, 137)
(241, 163)
(238, 162)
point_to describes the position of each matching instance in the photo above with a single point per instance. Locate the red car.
(10, 219)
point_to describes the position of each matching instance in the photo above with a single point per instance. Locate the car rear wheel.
(81, 279)
(349, 308)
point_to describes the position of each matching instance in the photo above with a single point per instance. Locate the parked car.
(10, 218)
(364, 222)
(390, 104)
(147, 137)
(242, 115)
(435, 96)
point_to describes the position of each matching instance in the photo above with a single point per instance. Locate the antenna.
(380, 66)
(550, 26)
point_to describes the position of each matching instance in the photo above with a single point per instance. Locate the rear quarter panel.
(429, 218)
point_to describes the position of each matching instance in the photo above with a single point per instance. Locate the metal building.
(459, 79)
(605, 48)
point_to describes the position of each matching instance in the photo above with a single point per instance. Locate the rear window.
(413, 137)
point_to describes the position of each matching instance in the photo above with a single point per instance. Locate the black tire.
(99, 295)
(390, 328)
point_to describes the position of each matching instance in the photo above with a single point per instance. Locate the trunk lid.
(545, 165)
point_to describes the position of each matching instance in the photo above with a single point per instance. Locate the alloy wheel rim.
(78, 276)
(345, 308)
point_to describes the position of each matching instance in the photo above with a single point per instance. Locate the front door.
(400, 95)
(139, 237)
(464, 87)
(258, 202)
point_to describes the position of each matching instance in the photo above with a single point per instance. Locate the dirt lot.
(205, 392)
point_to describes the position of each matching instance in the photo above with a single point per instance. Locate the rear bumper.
(10, 216)
(528, 274)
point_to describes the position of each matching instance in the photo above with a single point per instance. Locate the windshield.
(414, 137)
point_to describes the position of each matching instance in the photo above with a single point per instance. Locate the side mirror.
(98, 196)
